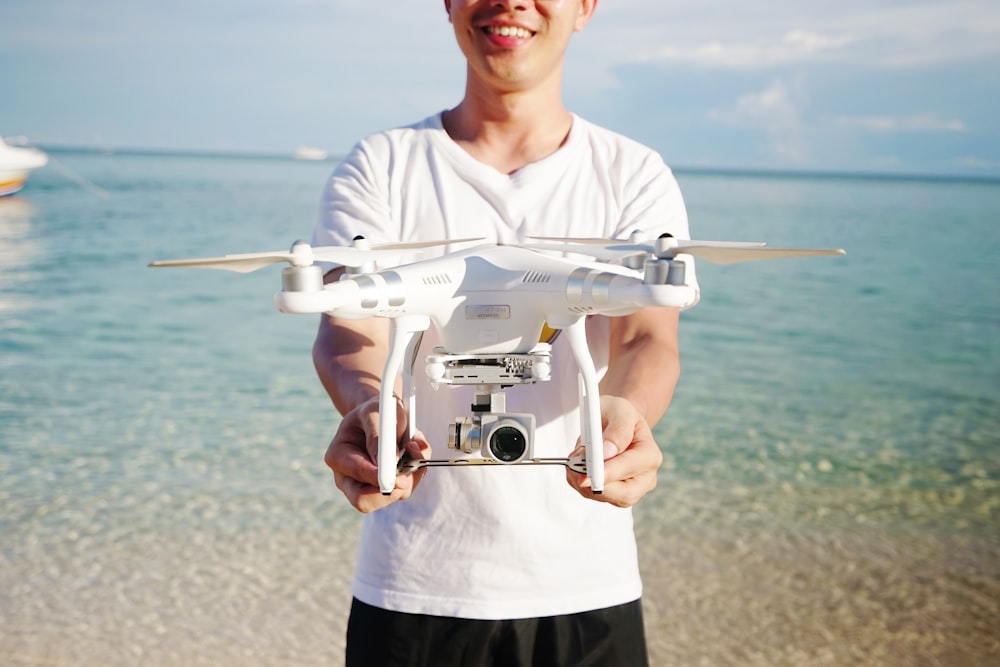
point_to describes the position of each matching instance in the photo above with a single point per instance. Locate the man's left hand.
(631, 456)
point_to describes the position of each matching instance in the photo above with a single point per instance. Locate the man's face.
(514, 45)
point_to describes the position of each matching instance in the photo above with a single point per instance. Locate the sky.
(900, 86)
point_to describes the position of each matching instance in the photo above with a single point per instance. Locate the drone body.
(490, 304)
(487, 300)
(490, 298)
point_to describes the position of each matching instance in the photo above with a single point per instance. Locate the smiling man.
(502, 565)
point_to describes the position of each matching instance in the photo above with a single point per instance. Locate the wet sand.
(278, 595)
(862, 598)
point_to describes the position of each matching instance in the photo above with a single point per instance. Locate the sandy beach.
(275, 596)
(869, 598)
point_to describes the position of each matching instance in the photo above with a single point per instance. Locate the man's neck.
(509, 131)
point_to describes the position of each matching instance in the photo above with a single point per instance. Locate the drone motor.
(302, 278)
(663, 271)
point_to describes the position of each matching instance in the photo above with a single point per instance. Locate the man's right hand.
(354, 450)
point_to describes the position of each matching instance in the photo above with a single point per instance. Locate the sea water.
(831, 485)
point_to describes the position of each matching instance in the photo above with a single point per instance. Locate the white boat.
(310, 153)
(16, 164)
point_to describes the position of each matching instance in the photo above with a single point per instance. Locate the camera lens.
(508, 444)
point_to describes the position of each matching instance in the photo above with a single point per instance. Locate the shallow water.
(830, 493)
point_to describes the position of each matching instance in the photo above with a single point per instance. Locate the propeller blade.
(611, 249)
(303, 255)
(239, 263)
(719, 252)
(604, 250)
(724, 255)
(424, 244)
(358, 256)
(577, 239)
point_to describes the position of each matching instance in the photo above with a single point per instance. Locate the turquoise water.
(831, 491)
(878, 372)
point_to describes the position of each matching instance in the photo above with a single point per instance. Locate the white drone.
(490, 304)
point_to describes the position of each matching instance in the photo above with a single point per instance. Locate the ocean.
(831, 487)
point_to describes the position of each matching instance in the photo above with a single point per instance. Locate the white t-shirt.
(495, 542)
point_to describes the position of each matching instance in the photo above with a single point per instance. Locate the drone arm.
(636, 389)
(402, 332)
(643, 369)
(409, 386)
(590, 403)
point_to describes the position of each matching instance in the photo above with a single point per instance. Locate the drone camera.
(502, 437)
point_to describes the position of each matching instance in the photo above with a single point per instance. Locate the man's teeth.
(509, 31)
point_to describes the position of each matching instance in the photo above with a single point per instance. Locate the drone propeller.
(737, 255)
(244, 263)
(667, 247)
(302, 254)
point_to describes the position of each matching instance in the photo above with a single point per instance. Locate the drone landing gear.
(498, 437)
(407, 465)
(502, 438)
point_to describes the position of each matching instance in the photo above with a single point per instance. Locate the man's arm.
(349, 356)
(644, 360)
(643, 369)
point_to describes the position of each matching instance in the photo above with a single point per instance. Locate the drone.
(490, 304)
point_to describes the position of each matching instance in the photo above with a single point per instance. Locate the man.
(501, 565)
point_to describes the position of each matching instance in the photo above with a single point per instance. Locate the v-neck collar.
(523, 176)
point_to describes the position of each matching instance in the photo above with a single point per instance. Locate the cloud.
(797, 45)
(775, 110)
(868, 33)
(707, 81)
(912, 123)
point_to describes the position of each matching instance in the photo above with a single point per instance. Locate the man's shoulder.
(404, 134)
(377, 151)
(615, 145)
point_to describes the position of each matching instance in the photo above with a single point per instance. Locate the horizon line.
(743, 171)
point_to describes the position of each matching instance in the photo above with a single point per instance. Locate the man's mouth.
(513, 31)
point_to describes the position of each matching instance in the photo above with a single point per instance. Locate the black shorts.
(612, 637)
